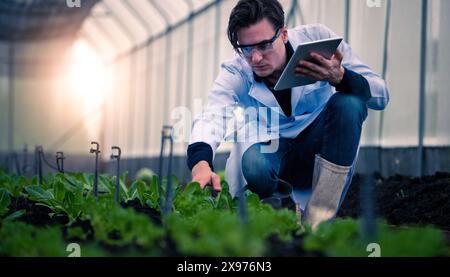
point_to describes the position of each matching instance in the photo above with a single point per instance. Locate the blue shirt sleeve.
(354, 83)
(198, 152)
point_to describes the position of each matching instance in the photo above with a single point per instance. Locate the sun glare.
(88, 76)
(88, 83)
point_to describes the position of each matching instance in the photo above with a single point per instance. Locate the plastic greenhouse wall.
(161, 58)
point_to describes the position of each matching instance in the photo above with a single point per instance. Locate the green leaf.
(154, 186)
(130, 226)
(132, 191)
(341, 237)
(5, 201)
(123, 185)
(141, 188)
(13, 184)
(15, 215)
(88, 179)
(151, 196)
(106, 184)
(73, 204)
(37, 193)
(74, 182)
(59, 191)
(192, 188)
(253, 199)
(22, 240)
(77, 233)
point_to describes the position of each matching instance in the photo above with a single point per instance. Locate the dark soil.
(292, 248)
(405, 201)
(36, 214)
(170, 249)
(85, 225)
(153, 214)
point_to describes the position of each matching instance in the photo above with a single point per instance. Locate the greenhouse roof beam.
(106, 33)
(36, 19)
(162, 12)
(120, 23)
(165, 32)
(139, 18)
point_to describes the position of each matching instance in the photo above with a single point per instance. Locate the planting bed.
(403, 200)
(41, 219)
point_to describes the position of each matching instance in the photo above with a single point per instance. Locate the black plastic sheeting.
(41, 19)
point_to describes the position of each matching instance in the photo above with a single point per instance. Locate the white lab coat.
(236, 86)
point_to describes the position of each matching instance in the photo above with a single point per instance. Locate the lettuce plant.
(5, 201)
(114, 225)
(341, 238)
(13, 184)
(23, 240)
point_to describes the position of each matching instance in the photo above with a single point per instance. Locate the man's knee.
(258, 172)
(351, 108)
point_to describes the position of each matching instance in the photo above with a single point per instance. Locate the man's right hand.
(203, 174)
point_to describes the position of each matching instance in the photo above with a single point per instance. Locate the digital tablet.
(325, 47)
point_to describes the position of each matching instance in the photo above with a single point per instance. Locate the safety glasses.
(263, 47)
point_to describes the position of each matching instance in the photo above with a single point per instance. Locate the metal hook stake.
(117, 194)
(242, 208)
(36, 159)
(25, 159)
(367, 200)
(60, 161)
(12, 161)
(169, 189)
(95, 150)
(17, 163)
(166, 134)
(38, 162)
(8, 163)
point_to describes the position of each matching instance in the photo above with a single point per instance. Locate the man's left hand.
(322, 69)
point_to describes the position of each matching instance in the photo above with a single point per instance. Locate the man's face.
(270, 61)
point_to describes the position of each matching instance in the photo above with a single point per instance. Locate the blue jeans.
(335, 135)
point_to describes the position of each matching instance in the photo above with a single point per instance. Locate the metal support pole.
(169, 193)
(166, 134)
(60, 161)
(132, 39)
(168, 50)
(422, 90)
(148, 52)
(25, 159)
(300, 13)
(367, 206)
(217, 39)
(38, 156)
(347, 21)
(387, 28)
(242, 208)
(113, 41)
(36, 161)
(189, 62)
(166, 91)
(95, 151)
(119, 153)
(148, 115)
(11, 98)
(291, 14)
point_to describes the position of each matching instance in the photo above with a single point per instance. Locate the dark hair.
(250, 12)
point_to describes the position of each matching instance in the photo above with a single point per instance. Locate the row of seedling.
(12, 164)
